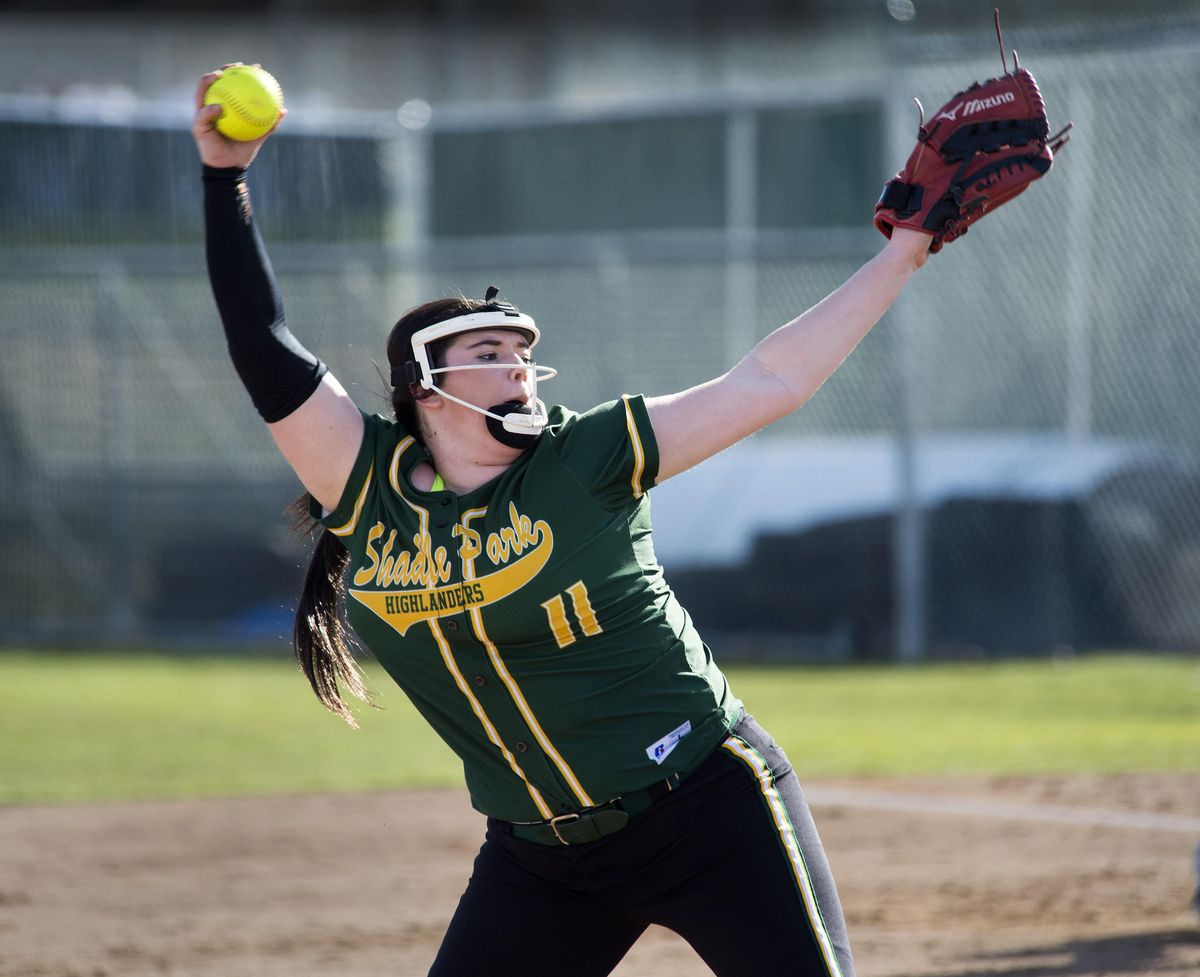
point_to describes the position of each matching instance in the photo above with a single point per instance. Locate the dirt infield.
(1022, 877)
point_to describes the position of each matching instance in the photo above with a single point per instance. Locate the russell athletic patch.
(660, 750)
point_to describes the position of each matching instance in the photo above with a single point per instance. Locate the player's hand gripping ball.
(251, 102)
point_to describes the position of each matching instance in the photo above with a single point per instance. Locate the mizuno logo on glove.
(971, 106)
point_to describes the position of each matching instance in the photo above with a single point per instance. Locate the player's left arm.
(784, 370)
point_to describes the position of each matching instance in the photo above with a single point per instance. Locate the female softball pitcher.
(495, 556)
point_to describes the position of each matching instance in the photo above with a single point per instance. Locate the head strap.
(406, 374)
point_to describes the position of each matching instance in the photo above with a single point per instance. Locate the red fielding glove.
(981, 149)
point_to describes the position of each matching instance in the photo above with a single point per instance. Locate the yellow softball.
(250, 101)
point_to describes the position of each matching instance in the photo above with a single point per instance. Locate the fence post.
(120, 546)
(741, 227)
(908, 524)
(405, 164)
(1078, 249)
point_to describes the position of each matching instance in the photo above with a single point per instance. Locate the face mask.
(511, 423)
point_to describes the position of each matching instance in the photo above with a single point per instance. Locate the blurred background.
(1007, 465)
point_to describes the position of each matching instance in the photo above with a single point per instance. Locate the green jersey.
(528, 620)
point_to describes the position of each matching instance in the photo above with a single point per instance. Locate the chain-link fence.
(1007, 463)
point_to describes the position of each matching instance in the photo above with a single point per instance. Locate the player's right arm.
(312, 419)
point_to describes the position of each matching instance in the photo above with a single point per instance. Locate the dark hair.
(320, 636)
(400, 351)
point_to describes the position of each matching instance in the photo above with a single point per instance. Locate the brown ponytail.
(320, 637)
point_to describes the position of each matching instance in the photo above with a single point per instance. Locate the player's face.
(488, 347)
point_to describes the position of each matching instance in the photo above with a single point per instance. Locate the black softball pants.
(730, 860)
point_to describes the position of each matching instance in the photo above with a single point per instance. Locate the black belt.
(595, 823)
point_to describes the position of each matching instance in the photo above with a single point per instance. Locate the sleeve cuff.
(227, 174)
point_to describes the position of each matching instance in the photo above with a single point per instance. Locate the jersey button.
(480, 680)
(445, 501)
(522, 747)
(451, 625)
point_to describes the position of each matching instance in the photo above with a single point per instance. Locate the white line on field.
(879, 800)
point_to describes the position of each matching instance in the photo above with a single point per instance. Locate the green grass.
(1105, 714)
(107, 727)
(87, 727)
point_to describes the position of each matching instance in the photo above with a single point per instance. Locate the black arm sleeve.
(278, 372)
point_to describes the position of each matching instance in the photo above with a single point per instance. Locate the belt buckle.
(554, 822)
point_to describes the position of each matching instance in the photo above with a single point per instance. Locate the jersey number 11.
(556, 612)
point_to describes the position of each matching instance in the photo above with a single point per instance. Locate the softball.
(250, 101)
